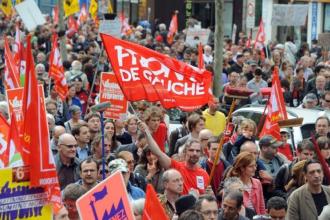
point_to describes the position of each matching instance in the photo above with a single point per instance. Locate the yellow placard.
(71, 7)
(6, 7)
(18, 200)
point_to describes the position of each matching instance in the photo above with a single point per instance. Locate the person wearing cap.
(134, 192)
(309, 102)
(269, 156)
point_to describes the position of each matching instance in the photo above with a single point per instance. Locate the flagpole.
(94, 77)
(103, 149)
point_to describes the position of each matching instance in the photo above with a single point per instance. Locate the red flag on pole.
(201, 64)
(55, 14)
(152, 207)
(72, 24)
(14, 144)
(276, 109)
(4, 131)
(173, 28)
(144, 74)
(11, 70)
(125, 28)
(260, 39)
(56, 70)
(35, 142)
(83, 15)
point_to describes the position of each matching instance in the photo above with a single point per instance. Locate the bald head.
(249, 146)
(58, 131)
(205, 134)
(66, 139)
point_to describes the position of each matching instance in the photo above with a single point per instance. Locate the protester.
(208, 206)
(67, 165)
(308, 201)
(276, 208)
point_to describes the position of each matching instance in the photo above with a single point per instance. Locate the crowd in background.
(252, 179)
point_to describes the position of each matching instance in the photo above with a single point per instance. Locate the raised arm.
(164, 160)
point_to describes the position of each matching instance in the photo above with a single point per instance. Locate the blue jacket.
(134, 192)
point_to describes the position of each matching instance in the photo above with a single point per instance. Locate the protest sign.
(15, 97)
(197, 35)
(30, 14)
(20, 201)
(111, 27)
(289, 15)
(110, 91)
(250, 15)
(107, 200)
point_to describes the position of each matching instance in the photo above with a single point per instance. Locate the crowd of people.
(265, 179)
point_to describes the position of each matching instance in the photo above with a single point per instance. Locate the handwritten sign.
(18, 200)
(107, 200)
(289, 15)
(197, 35)
(110, 91)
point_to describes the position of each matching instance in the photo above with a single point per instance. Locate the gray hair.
(228, 182)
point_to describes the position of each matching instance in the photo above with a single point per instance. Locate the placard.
(20, 201)
(107, 200)
(30, 14)
(197, 35)
(289, 15)
(110, 91)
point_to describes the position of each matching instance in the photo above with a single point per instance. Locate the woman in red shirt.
(244, 167)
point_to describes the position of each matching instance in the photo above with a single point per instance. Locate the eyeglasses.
(70, 145)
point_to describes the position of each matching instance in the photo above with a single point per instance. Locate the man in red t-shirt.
(194, 177)
(153, 117)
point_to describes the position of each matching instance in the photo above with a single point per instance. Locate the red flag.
(4, 131)
(248, 42)
(201, 64)
(152, 207)
(14, 145)
(173, 28)
(72, 24)
(56, 70)
(125, 28)
(35, 142)
(83, 15)
(144, 74)
(55, 14)
(11, 70)
(260, 38)
(276, 109)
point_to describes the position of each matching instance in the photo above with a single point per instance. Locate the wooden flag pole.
(215, 162)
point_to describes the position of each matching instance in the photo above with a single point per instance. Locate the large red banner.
(144, 74)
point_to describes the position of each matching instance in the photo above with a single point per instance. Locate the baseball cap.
(310, 97)
(269, 140)
(252, 63)
(118, 165)
(239, 55)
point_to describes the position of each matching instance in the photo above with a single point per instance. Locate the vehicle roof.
(309, 115)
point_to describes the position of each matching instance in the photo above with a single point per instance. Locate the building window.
(326, 23)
